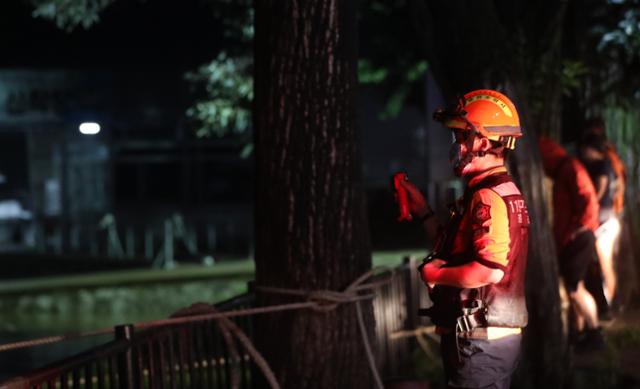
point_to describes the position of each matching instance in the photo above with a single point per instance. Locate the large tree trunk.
(544, 360)
(311, 230)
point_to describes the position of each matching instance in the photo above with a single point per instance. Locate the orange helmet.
(487, 112)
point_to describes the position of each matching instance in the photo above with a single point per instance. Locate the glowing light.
(89, 128)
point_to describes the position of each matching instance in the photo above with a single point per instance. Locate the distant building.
(143, 180)
(145, 187)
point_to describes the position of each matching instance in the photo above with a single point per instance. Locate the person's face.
(590, 154)
(463, 154)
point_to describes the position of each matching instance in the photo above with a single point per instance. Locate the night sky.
(130, 34)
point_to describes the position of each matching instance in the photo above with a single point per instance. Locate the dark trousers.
(480, 363)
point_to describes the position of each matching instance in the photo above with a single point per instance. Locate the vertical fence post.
(253, 370)
(169, 236)
(411, 291)
(125, 359)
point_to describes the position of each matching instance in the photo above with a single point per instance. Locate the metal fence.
(198, 354)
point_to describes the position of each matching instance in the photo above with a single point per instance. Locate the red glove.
(401, 196)
(410, 200)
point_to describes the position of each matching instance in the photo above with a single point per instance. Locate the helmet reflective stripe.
(508, 142)
(504, 130)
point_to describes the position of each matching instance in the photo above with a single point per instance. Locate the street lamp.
(89, 128)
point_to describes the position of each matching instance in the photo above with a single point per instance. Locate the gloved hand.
(416, 201)
(577, 232)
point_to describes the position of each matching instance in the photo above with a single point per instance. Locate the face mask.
(455, 158)
(459, 160)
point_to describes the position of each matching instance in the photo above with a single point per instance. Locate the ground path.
(619, 365)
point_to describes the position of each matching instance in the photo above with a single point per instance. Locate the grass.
(427, 366)
(614, 368)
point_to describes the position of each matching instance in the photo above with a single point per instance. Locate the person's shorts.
(476, 363)
(576, 257)
(609, 229)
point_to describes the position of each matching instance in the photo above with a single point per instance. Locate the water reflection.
(29, 316)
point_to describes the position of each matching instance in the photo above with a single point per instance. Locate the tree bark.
(311, 228)
(544, 358)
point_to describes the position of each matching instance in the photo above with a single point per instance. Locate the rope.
(319, 300)
(328, 300)
(422, 330)
(156, 323)
(233, 350)
(363, 331)
(255, 354)
(53, 339)
(420, 333)
(228, 329)
(367, 347)
(213, 316)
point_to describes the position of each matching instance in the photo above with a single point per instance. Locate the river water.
(29, 316)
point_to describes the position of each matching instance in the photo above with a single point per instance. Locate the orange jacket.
(575, 204)
(492, 230)
(484, 229)
(621, 176)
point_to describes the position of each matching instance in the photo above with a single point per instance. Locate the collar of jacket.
(475, 180)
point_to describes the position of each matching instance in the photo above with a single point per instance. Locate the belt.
(486, 333)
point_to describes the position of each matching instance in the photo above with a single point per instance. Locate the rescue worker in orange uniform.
(575, 219)
(476, 271)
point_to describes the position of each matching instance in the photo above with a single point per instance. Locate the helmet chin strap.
(469, 155)
(459, 167)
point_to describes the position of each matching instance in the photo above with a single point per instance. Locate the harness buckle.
(473, 316)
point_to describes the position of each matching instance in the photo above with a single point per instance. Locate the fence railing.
(201, 354)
